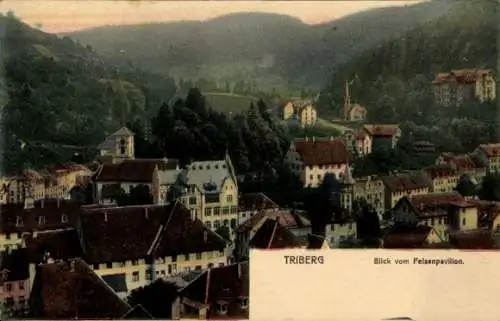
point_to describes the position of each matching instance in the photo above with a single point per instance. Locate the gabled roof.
(255, 201)
(57, 244)
(322, 152)
(407, 181)
(434, 204)
(381, 130)
(124, 131)
(208, 175)
(111, 234)
(406, 237)
(490, 150)
(315, 241)
(440, 171)
(225, 284)
(71, 290)
(134, 170)
(272, 235)
(287, 218)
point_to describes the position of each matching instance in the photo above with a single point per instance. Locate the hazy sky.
(61, 16)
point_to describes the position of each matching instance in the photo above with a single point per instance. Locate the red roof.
(407, 237)
(71, 290)
(461, 76)
(287, 218)
(255, 201)
(133, 171)
(273, 235)
(381, 130)
(110, 234)
(490, 150)
(441, 171)
(435, 204)
(407, 181)
(322, 152)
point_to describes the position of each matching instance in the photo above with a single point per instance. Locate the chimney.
(72, 266)
(146, 213)
(105, 216)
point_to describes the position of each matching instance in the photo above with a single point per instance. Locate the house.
(14, 280)
(212, 189)
(317, 242)
(383, 136)
(464, 85)
(404, 184)
(218, 293)
(148, 242)
(250, 204)
(71, 290)
(358, 142)
(341, 228)
(489, 214)
(476, 239)
(469, 164)
(352, 112)
(410, 237)
(111, 177)
(164, 181)
(294, 222)
(272, 235)
(117, 147)
(66, 177)
(444, 178)
(312, 158)
(371, 189)
(301, 110)
(490, 155)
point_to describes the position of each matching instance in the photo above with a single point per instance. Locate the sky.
(65, 16)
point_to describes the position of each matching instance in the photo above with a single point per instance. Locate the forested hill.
(259, 46)
(393, 79)
(57, 93)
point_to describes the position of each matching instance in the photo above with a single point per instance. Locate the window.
(234, 210)
(244, 303)
(109, 265)
(192, 201)
(19, 221)
(22, 301)
(198, 256)
(123, 146)
(319, 176)
(350, 226)
(229, 198)
(7, 236)
(8, 287)
(198, 268)
(311, 177)
(64, 218)
(169, 269)
(41, 220)
(222, 308)
(221, 264)
(208, 211)
(226, 223)
(225, 210)
(233, 223)
(135, 262)
(149, 274)
(208, 224)
(216, 210)
(186, 257)
(96, 266)
(210, 265)
(463, 221)
(135, 276)
(216, 224)
(20, 285)
(9, 302)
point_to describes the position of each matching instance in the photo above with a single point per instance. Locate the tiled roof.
(406, 181)
(14, 266)
(464, 162)
(315, 241)
(58, 244)
(226, 284)
(490, 150)
(440, 171)
(51, 216)
(116, 281)
(461, 76)
(111, 234)
(473, 240)
(71, 290)
(435, 204)
(381, 130)
(255, 201)
(402, 237)
(287, 218)
(133, 171)
(322, 152)
(124, 131)
(272, 235)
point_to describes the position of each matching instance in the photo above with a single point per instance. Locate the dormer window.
(123, 146)
(222, 307)
(19, 221)
(208, 166)
(41, 220)
(64, 218)
(243, 302)
(216, 166)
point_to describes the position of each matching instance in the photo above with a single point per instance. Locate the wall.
(335, 232)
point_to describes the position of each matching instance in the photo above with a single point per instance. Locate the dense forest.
(393, 80)
(58, 96)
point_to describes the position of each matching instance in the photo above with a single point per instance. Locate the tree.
(224, 232)
(490, 188)
(157, 298)
(138, 195)
(466, 187)
(368, 223)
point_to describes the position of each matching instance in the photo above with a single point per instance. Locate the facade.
(490, 155)
(251, 204)
(359, 143)
(463, 85)
(400, 185)
(472, 165)
(372, 189)
(14, 281)
(303, 111)
(352, 112)
(146, 243)
(384, 136)
(312, 158)
(117, 147)
(340, 230)
(444, 178)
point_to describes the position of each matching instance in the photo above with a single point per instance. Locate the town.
(142, 165)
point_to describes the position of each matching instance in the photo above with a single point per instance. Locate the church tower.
(347, 189)
(118, 146)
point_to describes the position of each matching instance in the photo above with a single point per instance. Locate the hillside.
(274, 49)
(58, 93)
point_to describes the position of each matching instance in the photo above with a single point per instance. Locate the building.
(220, 292)
(297, 224)
(317, 242)
(490, 155)
(14, 281)
(213, 190)
(410, 237)
(400, 185)
(303, 111)
(117, 147)
(383, 136)
(250, 204)
(423, 148)
(69, 289)
(312, 158)
(371, 189)
(444, 178)
(112, 178)
(347, 185)
(489, 214)
(464, 85)
(350, 111)
(471, 165)
(341, 228)
(358, 142)
(145, 243)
